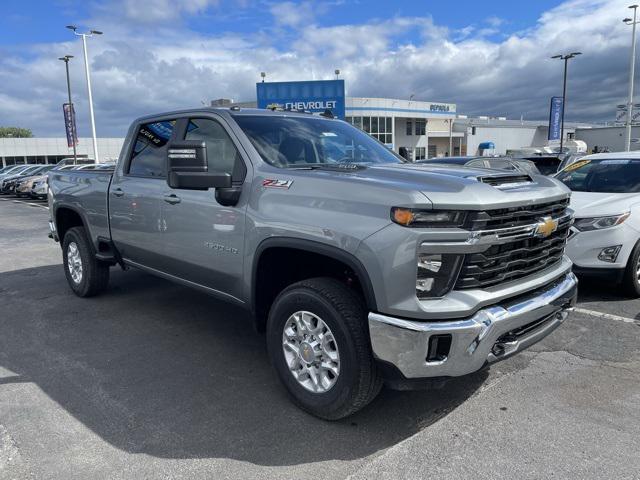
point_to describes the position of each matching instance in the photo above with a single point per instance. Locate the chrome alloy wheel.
(638, 271)
(311, 352)
(74, 262)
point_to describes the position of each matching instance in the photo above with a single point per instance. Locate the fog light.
(436, 274)
(609, 254)
(432, 263)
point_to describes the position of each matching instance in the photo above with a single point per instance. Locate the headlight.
(436, 274)
(411, 217)
(598, 223)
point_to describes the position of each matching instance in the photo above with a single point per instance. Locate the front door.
(136, 194)
(204, 240)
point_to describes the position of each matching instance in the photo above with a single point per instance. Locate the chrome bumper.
(492, 334)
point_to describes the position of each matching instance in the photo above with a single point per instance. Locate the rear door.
(136, 193)
(204, 239)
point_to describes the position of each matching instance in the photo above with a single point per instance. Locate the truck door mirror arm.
(228, 197)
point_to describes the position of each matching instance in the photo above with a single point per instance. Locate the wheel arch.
(66, 217)
(306, 249)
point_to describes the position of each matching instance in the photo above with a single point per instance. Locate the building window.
(421, 126)
(378, 127)
(420, 153)
(432, 151)
(409, 127)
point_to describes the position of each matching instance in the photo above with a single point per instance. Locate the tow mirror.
(187, 167)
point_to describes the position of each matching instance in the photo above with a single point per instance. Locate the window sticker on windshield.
(329, 134)
(618, 161)
(575, 166)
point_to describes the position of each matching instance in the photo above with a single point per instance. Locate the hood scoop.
(505, 182)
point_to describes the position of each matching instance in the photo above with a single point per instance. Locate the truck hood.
(449, 186)
(593, 204)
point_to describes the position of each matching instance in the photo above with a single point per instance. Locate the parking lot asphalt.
(153, 380)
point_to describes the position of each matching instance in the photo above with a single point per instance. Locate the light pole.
(632, 67)
(337, 72)
(72, 113)
(566, 59)
(263, 74)
(84, 36)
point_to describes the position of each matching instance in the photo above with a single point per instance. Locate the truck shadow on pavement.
(155, 368)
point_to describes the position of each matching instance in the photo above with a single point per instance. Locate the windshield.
(295, 142)
(603, 176)
(16, 170)
(29, 170)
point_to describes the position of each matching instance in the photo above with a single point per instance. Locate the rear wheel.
(319, 346)
(86, 275)
(631, 279)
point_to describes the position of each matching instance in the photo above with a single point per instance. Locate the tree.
(15, 132)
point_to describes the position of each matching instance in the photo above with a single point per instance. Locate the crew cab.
(362, 269)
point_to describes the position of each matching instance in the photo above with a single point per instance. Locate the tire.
(93, 275)
(343, 313)
(630, 281)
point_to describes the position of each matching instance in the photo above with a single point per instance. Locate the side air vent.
(506, 181)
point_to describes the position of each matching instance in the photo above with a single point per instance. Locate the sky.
(489, 57)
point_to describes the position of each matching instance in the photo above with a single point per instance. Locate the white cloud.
(141, 71)
(152, 11)
(291, 14)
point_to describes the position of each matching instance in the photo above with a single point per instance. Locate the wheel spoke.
(311, 351)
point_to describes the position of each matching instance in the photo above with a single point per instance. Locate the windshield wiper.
(328, 166)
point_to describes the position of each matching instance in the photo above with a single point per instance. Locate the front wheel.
(631, 279)
(87, 276)
(318, 343)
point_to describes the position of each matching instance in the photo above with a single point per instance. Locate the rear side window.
(501, 164)
(222, 154)
(149, 156)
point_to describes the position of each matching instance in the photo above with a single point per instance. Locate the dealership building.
(52, 150)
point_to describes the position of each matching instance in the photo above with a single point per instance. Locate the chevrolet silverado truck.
(362, 269)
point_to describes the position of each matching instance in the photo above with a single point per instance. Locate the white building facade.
(52, 150)
(414, 129)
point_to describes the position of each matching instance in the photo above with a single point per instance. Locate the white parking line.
(21, 202)
(607, 316)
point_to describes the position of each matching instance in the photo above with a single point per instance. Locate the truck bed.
(86, 192)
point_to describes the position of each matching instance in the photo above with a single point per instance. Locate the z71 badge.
(275, 183)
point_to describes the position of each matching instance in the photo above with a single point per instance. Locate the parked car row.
(533, 164)
(30, 180)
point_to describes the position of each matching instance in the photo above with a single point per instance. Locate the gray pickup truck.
(361, 268)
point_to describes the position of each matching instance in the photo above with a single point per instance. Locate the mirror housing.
(187, 167)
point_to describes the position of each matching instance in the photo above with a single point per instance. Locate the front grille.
(504, 262)
(516, 216)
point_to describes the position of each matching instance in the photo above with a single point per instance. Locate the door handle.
(118, 192)
(172, 199)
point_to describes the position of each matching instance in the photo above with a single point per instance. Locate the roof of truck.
(234, 111)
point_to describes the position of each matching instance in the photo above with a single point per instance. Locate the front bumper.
(583, 248)
(492, 334)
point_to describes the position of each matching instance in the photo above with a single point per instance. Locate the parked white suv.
(604, 240)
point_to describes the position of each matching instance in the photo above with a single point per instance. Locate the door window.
(222, 154)
(149, 155)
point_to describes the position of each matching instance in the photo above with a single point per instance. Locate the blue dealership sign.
(555, 118)
(313, 96)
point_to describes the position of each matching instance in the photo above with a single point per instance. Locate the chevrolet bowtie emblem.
(545, 227)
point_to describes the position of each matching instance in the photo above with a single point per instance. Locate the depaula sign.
(314, 96)
(555, 118)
